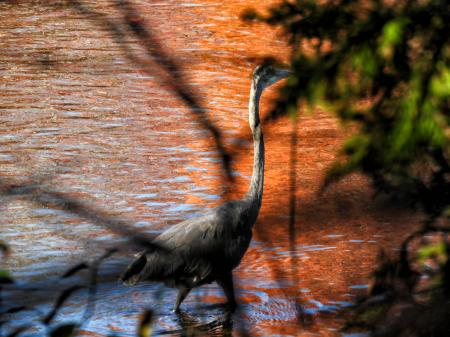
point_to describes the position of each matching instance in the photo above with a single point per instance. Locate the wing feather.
(194, 248)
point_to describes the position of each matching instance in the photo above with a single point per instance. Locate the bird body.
(200, 247)
(206, 249)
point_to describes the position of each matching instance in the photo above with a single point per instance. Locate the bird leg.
(226, 282)
(182, 293)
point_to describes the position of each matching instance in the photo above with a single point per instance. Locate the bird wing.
(192, 245)
(131, 274)
(195, 236)
(194, 248)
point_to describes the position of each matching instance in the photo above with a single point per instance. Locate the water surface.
(87, 121)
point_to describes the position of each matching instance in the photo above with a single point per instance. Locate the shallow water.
(82, 118)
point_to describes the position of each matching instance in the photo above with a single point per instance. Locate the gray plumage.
(206, 249)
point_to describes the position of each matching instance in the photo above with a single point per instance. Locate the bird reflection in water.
(191, 326)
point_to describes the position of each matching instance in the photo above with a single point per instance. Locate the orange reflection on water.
(117, 137)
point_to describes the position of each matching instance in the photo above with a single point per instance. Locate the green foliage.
(432, 259)
(426, 252)
(145, 327)
(384, 68)
(5, 277)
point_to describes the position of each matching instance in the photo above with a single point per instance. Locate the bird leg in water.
(182, 293)
(226, 282)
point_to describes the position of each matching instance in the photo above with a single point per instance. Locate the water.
(79, 116)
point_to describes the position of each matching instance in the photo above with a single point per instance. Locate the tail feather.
(131, 275)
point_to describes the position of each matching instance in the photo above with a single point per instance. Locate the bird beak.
(282, 73)
(279, 75)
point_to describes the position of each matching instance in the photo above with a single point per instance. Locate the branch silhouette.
(155, 51)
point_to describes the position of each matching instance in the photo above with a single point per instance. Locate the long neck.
(255, 190)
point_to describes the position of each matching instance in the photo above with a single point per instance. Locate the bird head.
(267, 74)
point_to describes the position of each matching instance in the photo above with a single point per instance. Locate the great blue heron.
(206, 249)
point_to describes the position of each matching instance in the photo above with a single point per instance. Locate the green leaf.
(145, 327)
(429, 251)
(365, 60)
(292, 111)
(440, 83)
(5, 277)
(391, 35)
(393, 30)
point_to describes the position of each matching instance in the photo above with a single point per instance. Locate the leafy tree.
(384, 68)
(383, 65)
